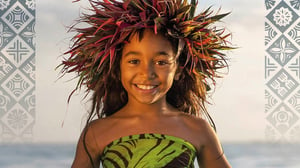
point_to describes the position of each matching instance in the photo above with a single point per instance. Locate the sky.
(237, 105)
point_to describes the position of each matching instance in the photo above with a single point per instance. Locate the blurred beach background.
(237, 105)
(240, 155)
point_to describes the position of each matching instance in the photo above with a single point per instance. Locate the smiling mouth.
(146, 87)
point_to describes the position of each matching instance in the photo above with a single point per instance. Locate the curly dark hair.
(96, 51)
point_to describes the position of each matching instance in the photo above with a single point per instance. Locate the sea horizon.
(240, 155)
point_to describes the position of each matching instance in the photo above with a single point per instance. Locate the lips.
(145, 87)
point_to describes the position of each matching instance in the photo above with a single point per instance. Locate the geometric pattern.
(270, 33)
(17, 17)
(282, 16)
(17, 51)
(282, 84)
(270, 66)
(272, 101)
(294, 33)
(282, 50)
(294, 101)
(282, 70)
(294, 67)
(282, 118)
(17, 85)
(17, 70)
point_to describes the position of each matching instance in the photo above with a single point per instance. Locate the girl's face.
(147, 68)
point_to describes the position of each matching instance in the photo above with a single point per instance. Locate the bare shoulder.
(102, 131)
(198, 125)
(91, 143)
(194, 119)
(87, 152)
(209, 149)
(190, 128)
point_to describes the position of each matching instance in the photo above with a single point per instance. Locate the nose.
(148, 70)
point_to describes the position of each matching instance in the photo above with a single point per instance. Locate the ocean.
(240, 155)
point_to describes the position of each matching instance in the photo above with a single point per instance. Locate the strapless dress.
(149, 151)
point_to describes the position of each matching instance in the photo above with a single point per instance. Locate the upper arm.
(87, 150)
(211, 154)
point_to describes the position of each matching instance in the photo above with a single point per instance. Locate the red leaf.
(105, 23)
(104, 38)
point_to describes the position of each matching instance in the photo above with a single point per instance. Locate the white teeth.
(145, 87)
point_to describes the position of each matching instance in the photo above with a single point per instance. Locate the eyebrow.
(163, 53)
(132, 53)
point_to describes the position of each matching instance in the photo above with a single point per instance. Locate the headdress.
(93, 52)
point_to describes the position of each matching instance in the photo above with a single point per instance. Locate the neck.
(147, 110)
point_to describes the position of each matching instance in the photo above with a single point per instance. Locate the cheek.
(169, 75)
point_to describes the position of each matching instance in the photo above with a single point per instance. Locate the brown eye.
(134, 61)
(161, 62)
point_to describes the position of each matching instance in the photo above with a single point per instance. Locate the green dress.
(149, 151)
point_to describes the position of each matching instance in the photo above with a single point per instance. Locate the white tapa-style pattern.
(17, 70)
(282, 70)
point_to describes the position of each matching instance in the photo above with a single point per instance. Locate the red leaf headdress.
(94, 50)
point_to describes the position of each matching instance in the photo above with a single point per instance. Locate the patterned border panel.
(17, 70)
(282, 70)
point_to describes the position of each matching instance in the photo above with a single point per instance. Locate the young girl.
(149, 65)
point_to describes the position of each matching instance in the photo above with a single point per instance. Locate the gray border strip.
(282, 70)
(17, 70)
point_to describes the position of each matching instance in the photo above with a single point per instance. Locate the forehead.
(148, 42)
